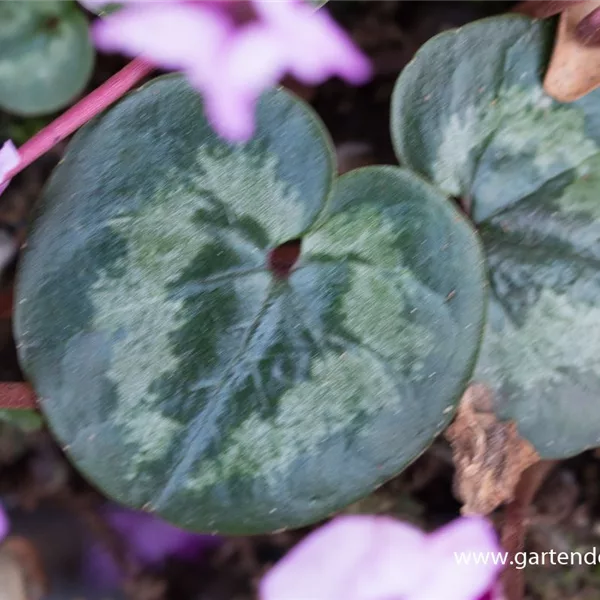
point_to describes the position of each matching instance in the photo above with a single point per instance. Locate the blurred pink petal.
(150, 541)
(459, 582)
(9, 159)
(231, 62)
(314, 45)
(251, 65)
(232, 116)
(173, 35)
(4, 523)
(379, 558)
(350, 557)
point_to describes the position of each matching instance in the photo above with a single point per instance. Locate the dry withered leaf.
(574, 68)
(489, 455)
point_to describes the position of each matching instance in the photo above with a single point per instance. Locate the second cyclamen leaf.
(186, 375)
(471, 115)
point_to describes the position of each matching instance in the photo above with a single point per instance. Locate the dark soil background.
(57, 512)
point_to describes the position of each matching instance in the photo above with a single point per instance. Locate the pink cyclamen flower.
(231, 51)
(9, 159)
(380, 558)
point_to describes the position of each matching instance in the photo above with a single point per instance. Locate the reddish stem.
(516, 523)
(17, 396)
(87, 108)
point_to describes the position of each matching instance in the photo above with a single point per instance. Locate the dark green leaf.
(46, 56)
(470, 114)
(181, 374)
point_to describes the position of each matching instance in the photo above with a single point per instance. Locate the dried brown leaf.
(574, 68)
(489, 455)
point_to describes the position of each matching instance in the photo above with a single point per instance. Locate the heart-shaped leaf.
(186, 357)
(470, 114)
(46, 56)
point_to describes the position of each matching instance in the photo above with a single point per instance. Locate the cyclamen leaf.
(181, 374)
(46, 56)
(470, 114)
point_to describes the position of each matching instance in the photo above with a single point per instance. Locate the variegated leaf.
(470, 114)
(183, 374)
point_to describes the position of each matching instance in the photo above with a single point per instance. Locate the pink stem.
(81, 113)
(17, 396)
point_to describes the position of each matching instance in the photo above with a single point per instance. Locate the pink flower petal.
(453, 581)
(396, 564)
(250, 64)
(231, 115)
(254, 60)
(4, 524)
(9, 159)
(350, 558)
(259, 54)
(173, 35)
(379, 558)
(315, 46)
(229, 63)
